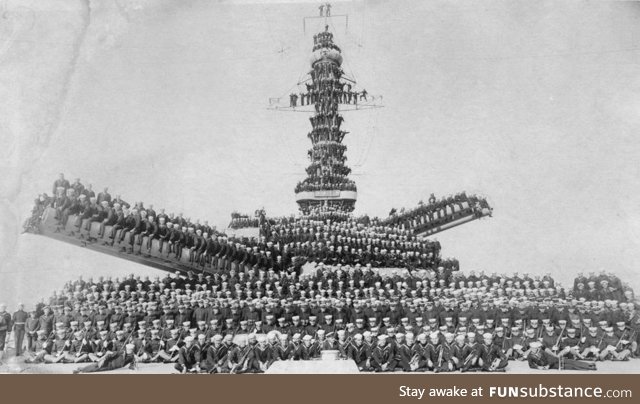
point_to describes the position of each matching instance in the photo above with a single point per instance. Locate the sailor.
(541, 359)
(19, 322)
(457, 351)
(516, 345)
(41, 347)
(284, 350)
(614, 348)
(32, 326)
(307, 349)
(112, 360)
(263, 356)
(570, 345)
(445, 355)
(5, 328)
(188, 357)
(591, 344)
(492, 359)
(382, 358)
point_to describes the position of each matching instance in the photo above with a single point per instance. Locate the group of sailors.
(324, 39)
(327, 167)
(330, 211)
(326, 89)
(426, 215)
(330, 237)
(326, 183)
(350, 242)
(136, 229)
(326, 121)
(334, 151)
(601, 286)
(326, 100)
(195, 323)
(328, 135)
(239, 221)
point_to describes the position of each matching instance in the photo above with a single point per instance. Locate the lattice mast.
(327, 186)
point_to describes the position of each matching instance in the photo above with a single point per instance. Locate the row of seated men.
(351, 233)
(203, 300)
(440, 215)
(204, 349)
(331, 315)
(316, 212)
(142, 230)
(358, 276)
(242, 222)
(434, 206)
(325, 280)
(62, 187)
(601, 286)
(307, 317)
(89, 212)
(336, 313)
(328, 183)
(345, 228)
(137, 231)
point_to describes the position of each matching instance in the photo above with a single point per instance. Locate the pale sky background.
(535, 105)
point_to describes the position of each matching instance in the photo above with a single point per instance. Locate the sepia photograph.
(313, 187)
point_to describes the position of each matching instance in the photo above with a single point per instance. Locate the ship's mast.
(327, 187)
